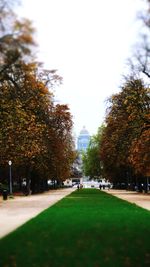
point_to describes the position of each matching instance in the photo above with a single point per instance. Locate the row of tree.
(35, 132)
(120, 151)
(125, 149)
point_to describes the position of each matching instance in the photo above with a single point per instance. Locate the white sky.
(88, 41)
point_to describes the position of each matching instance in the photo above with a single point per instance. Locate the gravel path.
(14, 212)
(140, 199)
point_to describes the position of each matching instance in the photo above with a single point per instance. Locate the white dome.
(84, 131)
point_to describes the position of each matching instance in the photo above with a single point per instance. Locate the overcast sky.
(88, 42)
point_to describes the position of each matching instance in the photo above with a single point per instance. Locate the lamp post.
(10, 177)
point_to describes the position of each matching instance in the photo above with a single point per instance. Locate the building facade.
(83, 140)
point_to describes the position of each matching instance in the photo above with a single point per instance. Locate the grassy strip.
(88, 228)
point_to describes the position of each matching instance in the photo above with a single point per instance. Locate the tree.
(124, 149)
(35, 134)
(126, 120)
(63, 146)
(92, 165)
(139, 61)
(140, 152)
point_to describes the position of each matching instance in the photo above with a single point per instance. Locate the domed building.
(83, 140)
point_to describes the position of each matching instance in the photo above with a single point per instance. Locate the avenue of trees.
(125, 150)
(120, 151)
(35, 132)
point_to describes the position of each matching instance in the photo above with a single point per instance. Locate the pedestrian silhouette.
(100, 186)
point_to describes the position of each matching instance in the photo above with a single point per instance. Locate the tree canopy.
(35, 133)
(127, 122)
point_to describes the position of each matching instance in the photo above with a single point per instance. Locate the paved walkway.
(14, 212)
(140, 199)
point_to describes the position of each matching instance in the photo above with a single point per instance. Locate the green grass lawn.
(88, 228)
